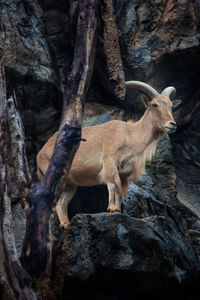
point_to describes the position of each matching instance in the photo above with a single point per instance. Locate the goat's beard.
(169, 130)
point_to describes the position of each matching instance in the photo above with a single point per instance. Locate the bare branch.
(43, 198)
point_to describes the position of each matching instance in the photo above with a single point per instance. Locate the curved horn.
(169, 91)
(143, 87)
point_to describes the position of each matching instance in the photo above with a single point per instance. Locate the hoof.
(65, 224)
(113, 209)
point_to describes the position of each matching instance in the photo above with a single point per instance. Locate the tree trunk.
(112, 51)
(43, 197)
(14, 281)
(20, 163)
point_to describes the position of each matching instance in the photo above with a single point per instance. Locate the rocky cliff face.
(149, 243)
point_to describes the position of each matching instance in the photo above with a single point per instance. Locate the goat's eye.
(154, 105)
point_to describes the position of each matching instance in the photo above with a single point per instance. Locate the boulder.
(115, 254)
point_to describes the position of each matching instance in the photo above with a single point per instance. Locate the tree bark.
(17, 138)
(16, 282)
(112, 51)
(43, 197)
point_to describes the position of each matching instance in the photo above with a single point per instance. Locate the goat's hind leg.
(118, 200)
(62, 205)
(123, 193)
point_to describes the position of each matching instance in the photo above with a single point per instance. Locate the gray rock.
(141, 204)
(94, 246)
(26, 51)
(163, 173)
(118, 241)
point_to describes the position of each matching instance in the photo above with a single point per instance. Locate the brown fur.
(113, 153)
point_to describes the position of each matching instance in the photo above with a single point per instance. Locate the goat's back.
(88, 161)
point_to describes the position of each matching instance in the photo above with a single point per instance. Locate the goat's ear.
(150, 106)
(146, 103)
(176, 103)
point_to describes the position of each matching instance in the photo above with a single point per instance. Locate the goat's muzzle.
(170, 127)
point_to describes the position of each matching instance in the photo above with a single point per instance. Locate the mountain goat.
(114, 151)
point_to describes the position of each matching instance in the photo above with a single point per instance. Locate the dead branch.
(43, 198)
(17, 138)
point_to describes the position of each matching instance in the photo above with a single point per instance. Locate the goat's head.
(160, 105)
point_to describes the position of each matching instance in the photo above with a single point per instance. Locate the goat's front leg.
(111, 200)
(115, 193)
(112, 179)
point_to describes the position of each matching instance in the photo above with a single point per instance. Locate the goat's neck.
(145, 130)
